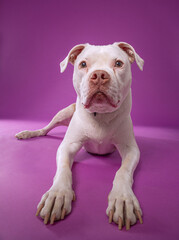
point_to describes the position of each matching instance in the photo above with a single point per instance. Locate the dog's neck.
(121, 112)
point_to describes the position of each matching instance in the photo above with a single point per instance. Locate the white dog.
(101, 122)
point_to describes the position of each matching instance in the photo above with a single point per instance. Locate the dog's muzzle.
(98, 92)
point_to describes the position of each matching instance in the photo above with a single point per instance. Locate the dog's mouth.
(99, 98)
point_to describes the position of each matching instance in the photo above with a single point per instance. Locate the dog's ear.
(131, 54)
(71, 57)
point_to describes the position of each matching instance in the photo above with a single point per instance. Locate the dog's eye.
(83, 64)
(118, 64)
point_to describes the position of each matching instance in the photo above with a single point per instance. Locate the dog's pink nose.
(99, 77)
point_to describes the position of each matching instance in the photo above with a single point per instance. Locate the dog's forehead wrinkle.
(104, 53)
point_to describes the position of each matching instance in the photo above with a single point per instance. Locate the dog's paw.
(123, 207)
(55, 205)
(29, 134)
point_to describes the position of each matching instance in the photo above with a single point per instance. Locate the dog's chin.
(100, 103)
(100, 108)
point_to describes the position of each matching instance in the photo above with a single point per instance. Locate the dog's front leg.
(56, 202)
(123, 206)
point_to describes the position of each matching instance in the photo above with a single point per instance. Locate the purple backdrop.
(36, 35)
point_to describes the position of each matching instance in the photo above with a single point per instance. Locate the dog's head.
(102, 74)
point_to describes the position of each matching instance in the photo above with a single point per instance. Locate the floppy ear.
(72, 55)
(131, 54)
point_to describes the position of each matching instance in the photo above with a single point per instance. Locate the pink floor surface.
(27, 168)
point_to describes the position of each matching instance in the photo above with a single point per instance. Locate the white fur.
(111, 128)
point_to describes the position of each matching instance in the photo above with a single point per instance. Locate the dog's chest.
(99, 138)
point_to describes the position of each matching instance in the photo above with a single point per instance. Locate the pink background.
(36, 35)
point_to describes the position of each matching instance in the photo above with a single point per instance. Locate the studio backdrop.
(36, 35)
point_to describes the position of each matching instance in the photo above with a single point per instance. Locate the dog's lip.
(108, 98)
